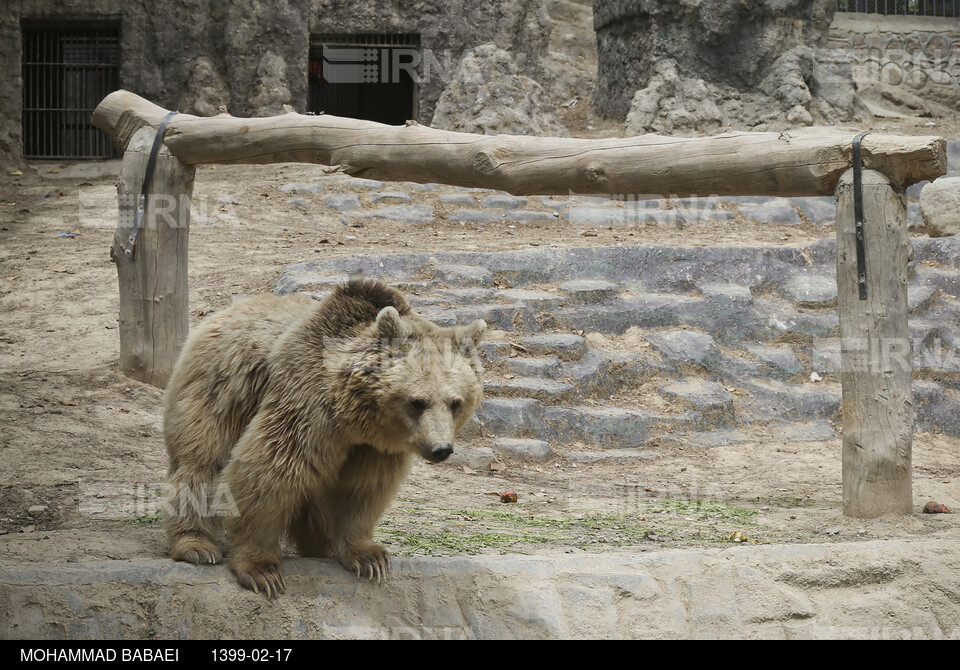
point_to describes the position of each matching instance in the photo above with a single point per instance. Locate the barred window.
(945, 8)
(67, 70)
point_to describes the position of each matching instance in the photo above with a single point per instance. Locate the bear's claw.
(268, 577)
(196, 551)
(198, 557)
(374, 562)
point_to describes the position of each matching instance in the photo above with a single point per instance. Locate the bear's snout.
(441, 452)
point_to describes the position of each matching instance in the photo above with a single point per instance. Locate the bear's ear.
(389, 325)
(474, 331)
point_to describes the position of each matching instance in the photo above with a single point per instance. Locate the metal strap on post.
(858, 215)
(129, 251)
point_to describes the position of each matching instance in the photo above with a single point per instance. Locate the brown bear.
(304, 417)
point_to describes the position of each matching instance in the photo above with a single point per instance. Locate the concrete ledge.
(880, 589)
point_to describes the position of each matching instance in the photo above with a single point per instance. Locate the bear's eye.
(418, 404)
(455, 405)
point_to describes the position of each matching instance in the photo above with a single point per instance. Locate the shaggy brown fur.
(303, 417)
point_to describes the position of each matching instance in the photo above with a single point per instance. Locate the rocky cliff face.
(803, 86)
(490, 95)
(709, 64)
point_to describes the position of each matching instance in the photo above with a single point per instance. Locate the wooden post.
(153, 286)
(875, 351)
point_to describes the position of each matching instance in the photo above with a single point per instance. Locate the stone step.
(532, 387)
(697, 408)
(534, 450)
(715, 338)
(564, 346)
(539, 366)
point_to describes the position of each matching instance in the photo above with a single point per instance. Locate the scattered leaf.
(16, 173)
(737, 536)
(497, 466)
(933, 507)
(28, 529)
(467, 470)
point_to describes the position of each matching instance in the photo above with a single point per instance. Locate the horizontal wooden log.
(795, 163)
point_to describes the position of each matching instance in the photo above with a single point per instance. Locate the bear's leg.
(190, 520)
(310, 529)
(255, 557)
(364, 488)
(268, 483)
(264, 505)
(198, 448)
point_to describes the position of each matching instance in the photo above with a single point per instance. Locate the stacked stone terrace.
(606, 351)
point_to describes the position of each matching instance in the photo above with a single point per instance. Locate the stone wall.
(193, 55)
(731, 43)
(905, 65)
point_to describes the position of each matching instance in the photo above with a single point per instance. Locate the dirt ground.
(81, 443)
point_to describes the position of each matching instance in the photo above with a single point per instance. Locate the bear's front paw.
(265, 575)
(369, 559)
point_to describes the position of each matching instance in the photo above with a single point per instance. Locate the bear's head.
(430, 382)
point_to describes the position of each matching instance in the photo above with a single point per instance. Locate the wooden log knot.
(483, 163)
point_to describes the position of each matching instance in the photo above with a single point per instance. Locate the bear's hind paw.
(267, 577)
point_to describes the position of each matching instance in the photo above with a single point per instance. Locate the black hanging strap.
(130, 248)
(858, 215)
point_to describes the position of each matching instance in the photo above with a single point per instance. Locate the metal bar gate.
(941, 8)
(66, 73)
(365, 76)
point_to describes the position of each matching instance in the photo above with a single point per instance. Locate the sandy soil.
(77, 437)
